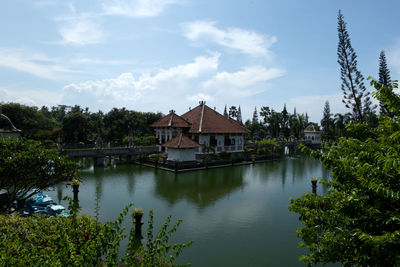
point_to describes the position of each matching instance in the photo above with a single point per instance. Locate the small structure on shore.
(205, 127)
(181, 148)
(7, 128)
(312, 134)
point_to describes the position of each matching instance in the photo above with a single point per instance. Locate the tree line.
(75, 124)
(269, 123)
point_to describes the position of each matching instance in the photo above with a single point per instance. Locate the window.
(213, 140)
(227, 141)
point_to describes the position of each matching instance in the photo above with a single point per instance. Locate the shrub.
(82, 241)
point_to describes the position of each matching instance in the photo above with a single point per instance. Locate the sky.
(158, 55)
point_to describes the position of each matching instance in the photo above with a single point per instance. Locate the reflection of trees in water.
(299, 168)
(96, 176)
(85, 163)
(202, 188)
(59, 192)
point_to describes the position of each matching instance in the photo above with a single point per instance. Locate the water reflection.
(239, 210)
(202, 188)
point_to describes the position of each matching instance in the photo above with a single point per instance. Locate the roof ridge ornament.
(202, 115)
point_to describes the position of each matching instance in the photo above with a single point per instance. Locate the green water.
(237, 216)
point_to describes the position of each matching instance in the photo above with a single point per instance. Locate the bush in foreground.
(82, 241)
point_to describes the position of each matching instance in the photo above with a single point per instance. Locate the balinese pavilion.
(204, 128)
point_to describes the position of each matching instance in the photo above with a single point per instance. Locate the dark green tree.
(355, 96)
(384, 79)
(28, 119)
(357, 221)
(265, 113)
(327, 123)
(27, 167)
(76, 126)
(274, 126)
(255, 116)
(285, 122)
(233, 112)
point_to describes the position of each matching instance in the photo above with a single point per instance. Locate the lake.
(237, 216)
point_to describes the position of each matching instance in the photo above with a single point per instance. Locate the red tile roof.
(171, 120)
(181, 141)
(205, 120)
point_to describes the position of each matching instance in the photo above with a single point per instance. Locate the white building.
(181, 148)
(312, 134)
(205, 126)
(7, 129)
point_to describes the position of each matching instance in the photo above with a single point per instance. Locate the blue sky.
(157, 55)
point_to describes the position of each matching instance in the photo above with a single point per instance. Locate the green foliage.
(224, 154)
(77, 124)
(82, 241)
(157, 250)
(38, 241)
(357, 222)
(156, 157)
(148, 140)
(28, 119)
(327, 123)
(267, 146)
(27, 166)
(384, 79)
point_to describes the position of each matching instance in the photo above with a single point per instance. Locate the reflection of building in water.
(7, 129)
(200, 188)
(312, 134)
(205, 127)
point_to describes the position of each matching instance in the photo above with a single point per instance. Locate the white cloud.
(247, 42)
(30, 97)
(126, 89)
(244, 78)
(136, 8)
(81, 32)
(95, 61)
(34, 63)
(200, 66)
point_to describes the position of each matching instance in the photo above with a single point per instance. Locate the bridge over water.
(99, 154)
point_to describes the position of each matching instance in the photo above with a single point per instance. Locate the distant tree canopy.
(76, 124)
(276, 124)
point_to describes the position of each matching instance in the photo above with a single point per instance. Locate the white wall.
(182, 154)
(315, 138)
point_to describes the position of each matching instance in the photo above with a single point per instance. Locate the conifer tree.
(327, 122)
(355, 96)
(255, 116)
(225, 113)
(285, 122)
(384, 79)
(239, 116)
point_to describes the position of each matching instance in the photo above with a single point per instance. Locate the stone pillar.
(75, 190)
(314, 185)
(98, 161)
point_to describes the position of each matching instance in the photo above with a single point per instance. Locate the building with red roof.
(202, 125)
